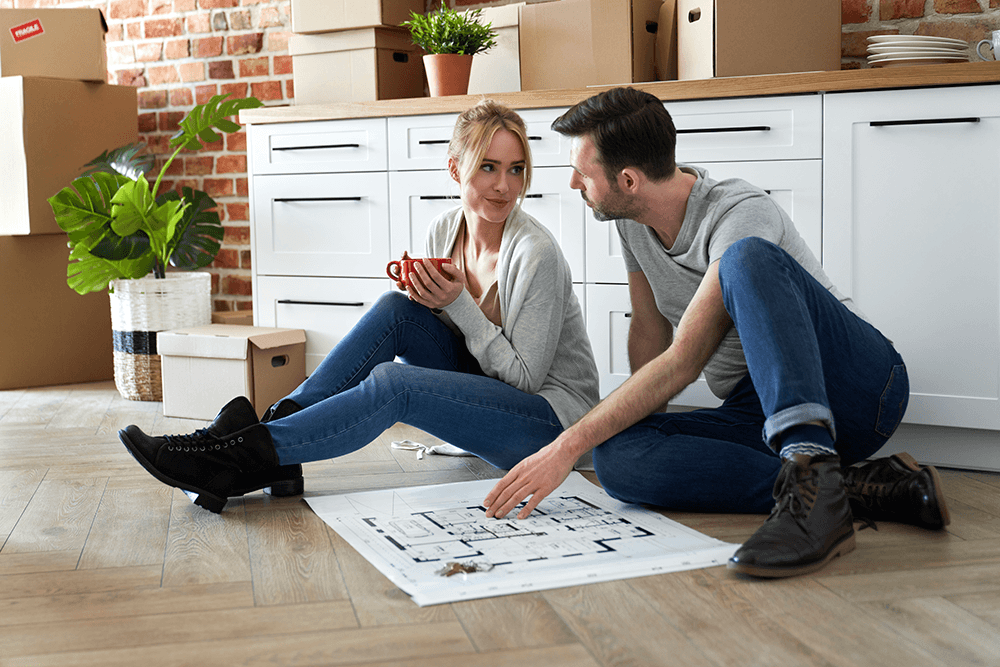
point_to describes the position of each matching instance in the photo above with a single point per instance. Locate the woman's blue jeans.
(358, 391)
(809, 358)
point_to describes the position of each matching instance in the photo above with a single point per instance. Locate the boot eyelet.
(187, 449)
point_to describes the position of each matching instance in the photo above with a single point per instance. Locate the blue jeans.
(809, 358)
(358, 391)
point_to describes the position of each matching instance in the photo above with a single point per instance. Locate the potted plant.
(122, 234)
(450, 39)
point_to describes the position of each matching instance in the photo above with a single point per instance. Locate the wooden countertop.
(921, 76)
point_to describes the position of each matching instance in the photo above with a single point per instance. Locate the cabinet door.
(911, 232)
(325, 146)
(420, 196)
(321, 224)
(421, 142)
(326, 308)
(795, 185)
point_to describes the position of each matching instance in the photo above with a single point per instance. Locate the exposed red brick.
(115, 33)
(855, 11)
(900, 9)
(283, 64)
(161, 6)
(130, 77)
(231, 164)
(218, 187)
(147, 122)
(203, 94)
(239, 211)
(278, 41)
(238, 235)
(243, 44)
(957, 7)
(855, 44)
(160, 75)
(176, 49)
(242, 186)
(971, 30)
(266, 90)
(184, 5)
(200, 166)
(207, 47)
(290, 89)
(270, 17)
(246, 261)
(181, 97)
(121, 54)
(191, 72)
(221, 69)
(133, 30)
(164, 28)
(235, 90)
(255, 66)
(236, 285)
(236, 142)
(227, 258)
(169, 121)
(152, 99)
(126, 9)
(216, 283)
(218, 4)
(240, 20)
(199, 23)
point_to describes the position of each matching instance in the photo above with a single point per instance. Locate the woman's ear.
(453, 169)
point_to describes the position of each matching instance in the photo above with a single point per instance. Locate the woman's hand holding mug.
(430, 281)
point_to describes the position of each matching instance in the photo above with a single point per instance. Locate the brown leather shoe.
(897, 488)
(810, 524)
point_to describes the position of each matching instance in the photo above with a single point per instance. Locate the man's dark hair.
(629, 128)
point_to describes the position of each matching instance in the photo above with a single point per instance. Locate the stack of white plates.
(894, 50)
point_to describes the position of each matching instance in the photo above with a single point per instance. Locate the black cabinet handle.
(437, 197)
(432, 142)
(713, 130)
(314, 148)
(295, 199)
(348, 304)
(922, 121)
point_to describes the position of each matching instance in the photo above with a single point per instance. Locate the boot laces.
(797, 490)
(201, 440)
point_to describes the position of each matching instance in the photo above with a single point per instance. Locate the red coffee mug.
(400, 269)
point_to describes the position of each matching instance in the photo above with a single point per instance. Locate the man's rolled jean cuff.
(796, 416)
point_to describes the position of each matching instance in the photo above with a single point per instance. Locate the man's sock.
(808, 439)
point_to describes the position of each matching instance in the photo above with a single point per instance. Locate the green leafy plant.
(120, 227)
(449, 31)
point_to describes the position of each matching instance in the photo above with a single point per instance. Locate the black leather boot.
(282, 481)
(208, 463)
(810, 525)
(896, 488)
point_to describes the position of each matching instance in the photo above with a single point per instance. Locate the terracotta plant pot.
(448, 73)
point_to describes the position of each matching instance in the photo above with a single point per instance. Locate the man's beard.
(616, 206)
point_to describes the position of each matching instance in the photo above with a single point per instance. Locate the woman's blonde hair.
(474, 131)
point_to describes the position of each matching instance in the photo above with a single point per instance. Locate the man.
(721, 283)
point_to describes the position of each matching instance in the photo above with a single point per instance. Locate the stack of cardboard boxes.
(354, 51)
(57, 114)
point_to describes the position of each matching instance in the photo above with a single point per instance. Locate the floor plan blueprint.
(437, 545)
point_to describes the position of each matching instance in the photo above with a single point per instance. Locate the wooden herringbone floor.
(102, 565)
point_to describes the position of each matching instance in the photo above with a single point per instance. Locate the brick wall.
(181, 52)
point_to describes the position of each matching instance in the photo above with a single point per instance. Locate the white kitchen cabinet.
(912, 232)
(318, 147)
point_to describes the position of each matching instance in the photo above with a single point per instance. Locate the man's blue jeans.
(358, 391)
(809, 359)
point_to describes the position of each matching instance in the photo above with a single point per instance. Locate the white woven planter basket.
(139, 309)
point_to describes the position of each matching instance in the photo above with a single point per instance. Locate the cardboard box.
(311, 16)
(235, 317)
(203, 368)
(579, 43)
(748, 37)
(49, 334)
(361, 65)
(51, 128)
(665, 50)
(54, 43)
(499, 69)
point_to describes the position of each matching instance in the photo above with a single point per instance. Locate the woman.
(495, 355)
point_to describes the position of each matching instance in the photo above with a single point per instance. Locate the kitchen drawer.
(764, 128)
(326, 308)
(321, 224)
(795, 185)
(316, 147)
(421, 142)
(609, 312)
(419, 197)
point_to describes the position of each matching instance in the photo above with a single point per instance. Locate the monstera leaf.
(199, 233)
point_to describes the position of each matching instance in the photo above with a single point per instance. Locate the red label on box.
(27, 30)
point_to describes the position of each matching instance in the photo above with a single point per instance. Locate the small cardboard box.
(749, 37)
(203, 368)
(499, 69)
(50, 129)
(311, 16)
(579, 43)
(54, 43)
(360, 65)
(49, 334)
